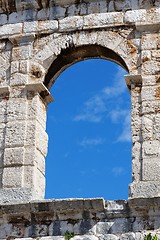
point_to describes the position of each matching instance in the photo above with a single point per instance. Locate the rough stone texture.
(88, 219)
(38, 40)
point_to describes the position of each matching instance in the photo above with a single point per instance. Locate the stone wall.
(38, 40)
(86, 219)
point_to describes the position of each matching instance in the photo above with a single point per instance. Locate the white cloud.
(118, 114)
(119, 85)
(66, 155)
(126, 132)
(91, 142)
(118, 171)
(100, 106)
(123, 116)
(95, 109)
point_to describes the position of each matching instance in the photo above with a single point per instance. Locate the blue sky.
(88, 124)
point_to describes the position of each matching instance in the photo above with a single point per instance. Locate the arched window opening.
(89, 133)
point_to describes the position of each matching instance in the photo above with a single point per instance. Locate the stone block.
(30, 27)
(102, 20)
(151, 148)
(14, 156)
(24, 66)
(34, 157)
(148, 93)
(16, 109)
(149, 80)
(71, 23)
(151, 169)
(150, 41)
(57, 12)
(135, 16)
(35, 180)
(144, 189)
(14, 67)
(36, 136)
(15, 134)
(3, 19)
(151, 67)
(104, 227)
(147, 127)
(21, 53)
(73, 10)
(46, 56)
(12, 177)
(43, 14)
(10, 29)
(3, 112)
(15, 195)
(2, 135)
(103, 6)
(156, 127)
(93, 7)
(17, 92)
(47, 26)
(37, 110)
(149, 107)
(3, 68)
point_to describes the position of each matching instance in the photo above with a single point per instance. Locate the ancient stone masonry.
(38, 40)
(91, 219)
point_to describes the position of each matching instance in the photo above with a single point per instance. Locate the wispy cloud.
(126, 132)
(66, 155)
(91, 142)
(123, 116)
(95, 109)
(118, 171)
(100, 106)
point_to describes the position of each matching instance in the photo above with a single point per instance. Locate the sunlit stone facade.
(38, 40)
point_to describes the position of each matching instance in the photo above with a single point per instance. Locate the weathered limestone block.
(13, 157)
(151, 168)
(71, 23)
(15, 134)
(12, 177)
(36, 136)
(135, 16)
(150, 41)
(104, 19)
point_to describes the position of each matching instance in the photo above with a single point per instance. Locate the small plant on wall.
(150, 237)
(68, 235)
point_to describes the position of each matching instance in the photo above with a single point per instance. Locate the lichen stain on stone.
(131, 46)
(137, 89)
(35, 72)
(157, 95)
(157, 79)
(145, 59)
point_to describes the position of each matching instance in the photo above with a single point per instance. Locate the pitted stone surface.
(41, 38)
(85, 219)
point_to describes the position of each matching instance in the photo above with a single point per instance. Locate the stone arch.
(115, 46)
(72, 55)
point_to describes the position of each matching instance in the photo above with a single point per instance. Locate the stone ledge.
(87, 218)
(61, 205)
(40, 88)
(110, 209)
